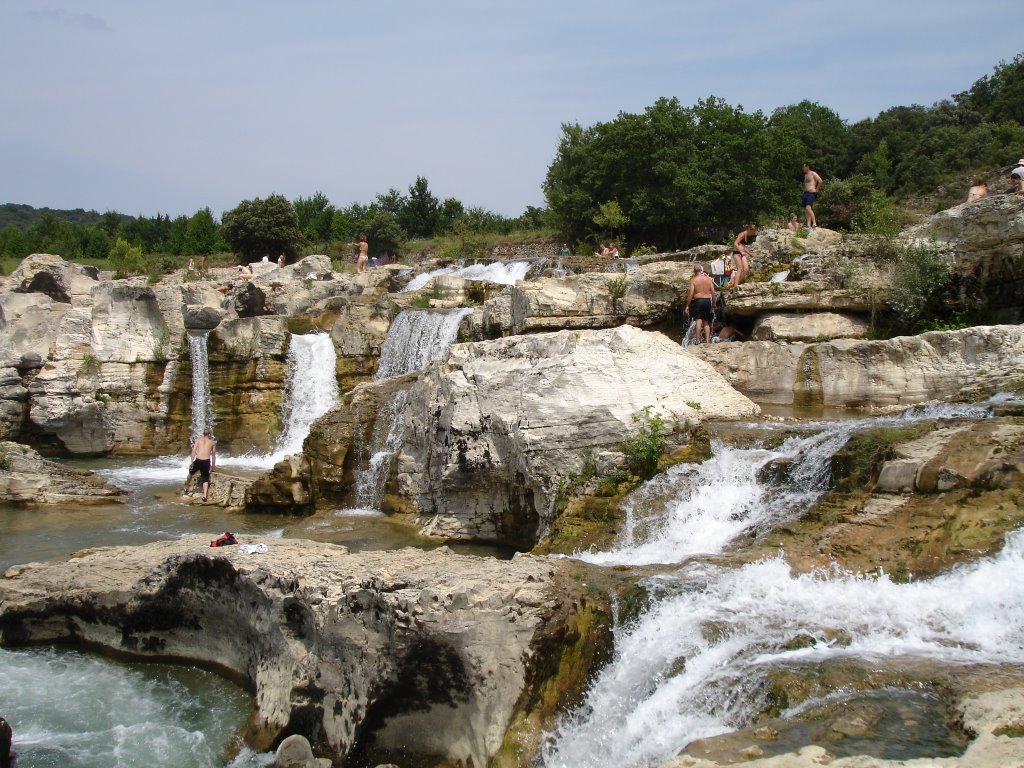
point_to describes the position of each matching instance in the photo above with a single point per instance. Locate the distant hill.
(23, 216)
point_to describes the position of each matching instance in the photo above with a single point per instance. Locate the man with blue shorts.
(812, 183)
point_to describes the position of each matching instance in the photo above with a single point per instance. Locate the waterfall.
(416, 338)
(310, 388)
(502, 272)
(695, 664)
(413, 341)
(202, 403)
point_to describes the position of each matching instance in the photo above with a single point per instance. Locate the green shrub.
(617, 289)
(918, 274)
(126, 259)
(645, 448)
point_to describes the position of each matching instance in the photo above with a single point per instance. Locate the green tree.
(201, 233)
(257, 227)
(384, 234)
(125, 258)
(610, 218)
(450, 211)
(811, 133)
(177, 236)
(13, 243)
(316, 216)
(998, 97)
(420, 216)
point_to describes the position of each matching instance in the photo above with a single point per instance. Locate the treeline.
(254, 228)
(667, 178)
(677, 175)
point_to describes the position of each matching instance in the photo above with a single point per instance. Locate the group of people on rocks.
(979, 189)
(607, 251)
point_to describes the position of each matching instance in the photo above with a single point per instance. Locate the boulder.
(643, 296)
(249, 300)
(295, 752)
(27, 478)
(430, 652)
(49, 274)
(202, 318)
(813, 326)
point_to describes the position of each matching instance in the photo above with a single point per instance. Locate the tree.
(384, 235)
(258, 227)
(201, 233)
(316, 215)
(610, 218)
(420, 216)
(450, 211)
(125, 258)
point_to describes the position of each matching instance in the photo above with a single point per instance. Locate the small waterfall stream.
(414, 339)
(202, 404)
(310, 390)
(502, 272)
(694, 665)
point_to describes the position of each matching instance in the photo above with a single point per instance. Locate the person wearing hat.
(1016, 181)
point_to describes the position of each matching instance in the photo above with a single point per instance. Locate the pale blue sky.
(145, 108)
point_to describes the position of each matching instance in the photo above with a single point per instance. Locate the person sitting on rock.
(977, 191)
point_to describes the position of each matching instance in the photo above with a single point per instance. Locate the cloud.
(63, 18)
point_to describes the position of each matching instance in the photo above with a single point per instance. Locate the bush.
(126, 259)
(645, 448)
(918, 274)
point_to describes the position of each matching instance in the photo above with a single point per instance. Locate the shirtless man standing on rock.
(702, 299)
(204, 458)
(812, 185)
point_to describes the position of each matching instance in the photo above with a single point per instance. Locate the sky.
(144, 107)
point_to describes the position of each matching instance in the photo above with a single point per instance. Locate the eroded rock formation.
(27, 478)
(432, 651)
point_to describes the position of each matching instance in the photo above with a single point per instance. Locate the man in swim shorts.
(812, 183)
(204, 458)
(699, 303)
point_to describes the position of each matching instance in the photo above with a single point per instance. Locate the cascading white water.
(202, 403)
(501, 272)
(694, 664)
(417, 337)
(310, 390)
(699, 508)
(413, 341)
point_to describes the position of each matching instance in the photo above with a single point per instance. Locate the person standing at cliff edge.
(812, 183)
(364, 254)
(204, 458)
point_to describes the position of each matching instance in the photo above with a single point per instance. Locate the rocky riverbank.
(524, 433)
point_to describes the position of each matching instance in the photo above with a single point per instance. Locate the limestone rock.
(986, 241)
(27, 478)
(813, 326)
(753, 299)
(50, 275)
(431, 651)
(202, 318)
(295, 752)
(968, 364)
(641, 297)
